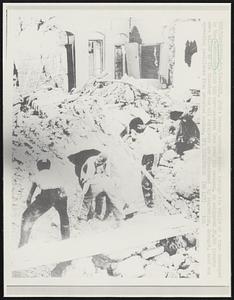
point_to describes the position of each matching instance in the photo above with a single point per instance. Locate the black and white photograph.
(105, 145)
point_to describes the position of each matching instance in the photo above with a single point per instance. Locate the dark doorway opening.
(150, 57)
(71, 62)
(118, 62)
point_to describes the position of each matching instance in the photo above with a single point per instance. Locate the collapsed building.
(71, 96)
(72, 56)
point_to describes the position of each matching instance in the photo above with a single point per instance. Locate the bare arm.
(86, 187)
(32, 190)
(90, 170)
(88, 175)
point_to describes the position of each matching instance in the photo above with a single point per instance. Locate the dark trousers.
(43, 202)
(147, 187)
(183, 146)
(102, 186)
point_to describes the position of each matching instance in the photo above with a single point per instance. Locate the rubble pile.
(170, 258)
(50, 119)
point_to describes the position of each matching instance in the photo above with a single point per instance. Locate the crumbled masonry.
(51, 120)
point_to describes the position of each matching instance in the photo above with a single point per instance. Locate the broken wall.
(185, 54)
(40, 55)
(133, 60)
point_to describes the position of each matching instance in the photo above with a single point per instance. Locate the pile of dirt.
(175, 257)
(50, 120)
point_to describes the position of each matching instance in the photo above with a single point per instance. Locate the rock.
(194, 216)
(184, 273)
(163, 259)
(101, 261)
(180, 242)
(180, 204)
(173, 211)
(173, 274)
(186, 178)
(193, 275)
(177, 260)
(156, 271)
(193, 254)
(185, 264)
(173, 244)
(190, 239)
(101, 274)
(182, 251)
(81, 267)
(149, 253)
(170, 248)
(130, 267)
(194, 267)
(169, 155)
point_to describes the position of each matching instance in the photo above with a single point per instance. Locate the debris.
(193, 254)
(173, 274)
(190, 239)
(150, 253)
(81, 267)
(189, 169)
(51, 120)
(177, 260)
(185, 264)
(169, 155)
(102, 261)
(130, 267)
(163, 259)
(156, 271)
(122, 254)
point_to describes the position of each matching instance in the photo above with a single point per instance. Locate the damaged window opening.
(95, 57)
(134, 36)
(190, 49)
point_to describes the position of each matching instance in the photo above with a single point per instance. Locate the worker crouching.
(97, 180)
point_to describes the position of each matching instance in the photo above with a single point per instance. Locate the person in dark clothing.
(52, 195)
(188, 134)
(79, 160)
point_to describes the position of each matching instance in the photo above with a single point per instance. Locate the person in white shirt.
(96, 179)
(147, 147)
(52, 195)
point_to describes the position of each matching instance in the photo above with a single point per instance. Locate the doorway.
(71, 63)
(119, 62)
(95, 57)
(150, 57)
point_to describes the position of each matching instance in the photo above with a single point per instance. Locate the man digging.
(52, 195)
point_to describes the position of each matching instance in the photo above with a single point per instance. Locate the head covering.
(101, 158)
(135, 122)
(43, 164)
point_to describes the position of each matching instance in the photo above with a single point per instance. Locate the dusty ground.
(51, 119)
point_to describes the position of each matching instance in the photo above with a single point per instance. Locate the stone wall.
(40, 55)
(175, 36)
(171, 55)
(184, 76)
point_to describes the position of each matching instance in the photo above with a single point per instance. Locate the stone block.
(150, 253)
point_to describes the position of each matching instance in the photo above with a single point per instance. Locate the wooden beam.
(139, 231)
